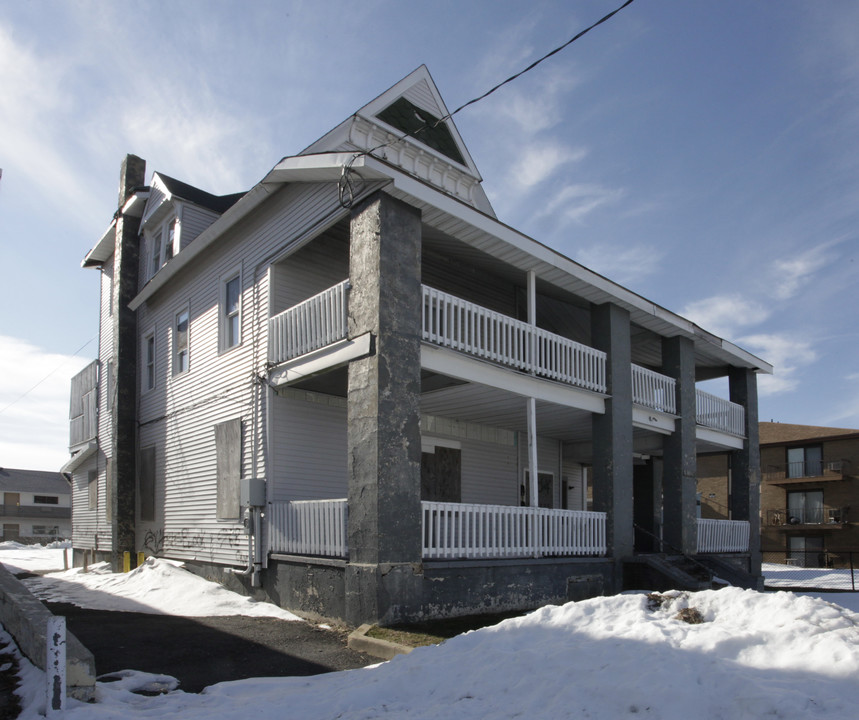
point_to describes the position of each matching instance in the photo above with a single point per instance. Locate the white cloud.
(789, 275)
(623, 264)
(574, 202)
(538, 161)
(34, 405)
(724, 315)
(537, 105)
(787, 354)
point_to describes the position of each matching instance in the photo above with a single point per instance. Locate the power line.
(346, 185)
(56, 369)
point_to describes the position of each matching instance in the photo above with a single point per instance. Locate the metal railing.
(720, 414)
(452, 322)
(309, 527)
(310, 325)
(829, 469)
(465, 530)
(654, 390)
(808, 516)
(716, 536)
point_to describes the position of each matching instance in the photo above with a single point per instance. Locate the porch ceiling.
(491, 406)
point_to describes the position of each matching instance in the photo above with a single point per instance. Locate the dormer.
(408, 127)
(174, 215)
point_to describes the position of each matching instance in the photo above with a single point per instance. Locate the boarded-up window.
(92, 490)
(228, 448)
(146, 481)
(441, 475)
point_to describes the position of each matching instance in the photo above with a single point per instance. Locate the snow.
(754, 655)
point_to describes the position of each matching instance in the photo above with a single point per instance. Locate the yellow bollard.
(126, 561)
(141, 558)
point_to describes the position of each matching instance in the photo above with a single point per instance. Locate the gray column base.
(384, 593)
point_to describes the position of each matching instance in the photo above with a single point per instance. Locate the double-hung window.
(181, 345)
(161, 241)
(231, 311)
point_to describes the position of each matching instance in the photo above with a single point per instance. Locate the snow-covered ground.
(791, 576)
(754, 655)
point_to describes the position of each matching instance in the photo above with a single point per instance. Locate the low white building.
(36, 505)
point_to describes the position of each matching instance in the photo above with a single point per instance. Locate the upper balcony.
(451, 322)
(808, 471)
(83, 414)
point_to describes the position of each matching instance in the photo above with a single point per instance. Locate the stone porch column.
(383, 577)
(612, 432)
(679, 480)
(746, 465)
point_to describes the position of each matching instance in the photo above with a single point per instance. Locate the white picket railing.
(723, 535)
(475, 330)
(653, 390)
(310, 325)
(309, 527)
(464, 530)
(720, 414)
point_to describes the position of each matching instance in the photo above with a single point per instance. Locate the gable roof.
(184, 191)
(774, 433)
(37, 481)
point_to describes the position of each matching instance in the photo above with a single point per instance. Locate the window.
(149, 361)
(161, 241)
(545, 490)
(180, 343)
(805, 507)
(155, 254)
(46, 500)
(231, 316)
(46, 530)
(228, 452)
(92, 490)
(805, 461)
(146, 482)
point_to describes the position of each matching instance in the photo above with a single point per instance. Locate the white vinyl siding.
(195, 219)
(312, 269)
(178, 417)
(309, 446)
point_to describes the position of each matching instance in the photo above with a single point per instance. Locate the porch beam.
(462, 367)
(321, 360)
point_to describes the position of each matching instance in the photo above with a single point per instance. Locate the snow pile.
(17, 557)
(156, 587)
(754, 655)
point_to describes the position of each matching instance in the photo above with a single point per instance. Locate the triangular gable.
(418, 90)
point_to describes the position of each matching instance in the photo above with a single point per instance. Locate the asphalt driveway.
(203, 651)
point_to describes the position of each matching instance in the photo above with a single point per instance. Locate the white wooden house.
(338, 386)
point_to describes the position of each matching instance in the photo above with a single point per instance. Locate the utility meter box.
(252, 492)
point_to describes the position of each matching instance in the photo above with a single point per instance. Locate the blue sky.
(704, 154)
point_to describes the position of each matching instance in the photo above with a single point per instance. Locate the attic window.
(408, 118)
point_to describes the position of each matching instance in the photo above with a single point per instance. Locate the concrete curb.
(383, 649)
(25, 619)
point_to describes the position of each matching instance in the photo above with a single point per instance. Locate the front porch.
(467, 531)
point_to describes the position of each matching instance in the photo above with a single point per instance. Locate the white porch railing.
(720, 414)
(310, 325)
(653, 390)
(462, 530)
(723, 535)
(464, 326)
(309, 527)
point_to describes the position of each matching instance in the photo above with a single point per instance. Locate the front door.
(643, 508)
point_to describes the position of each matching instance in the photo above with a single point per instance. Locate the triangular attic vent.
(423, 126)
